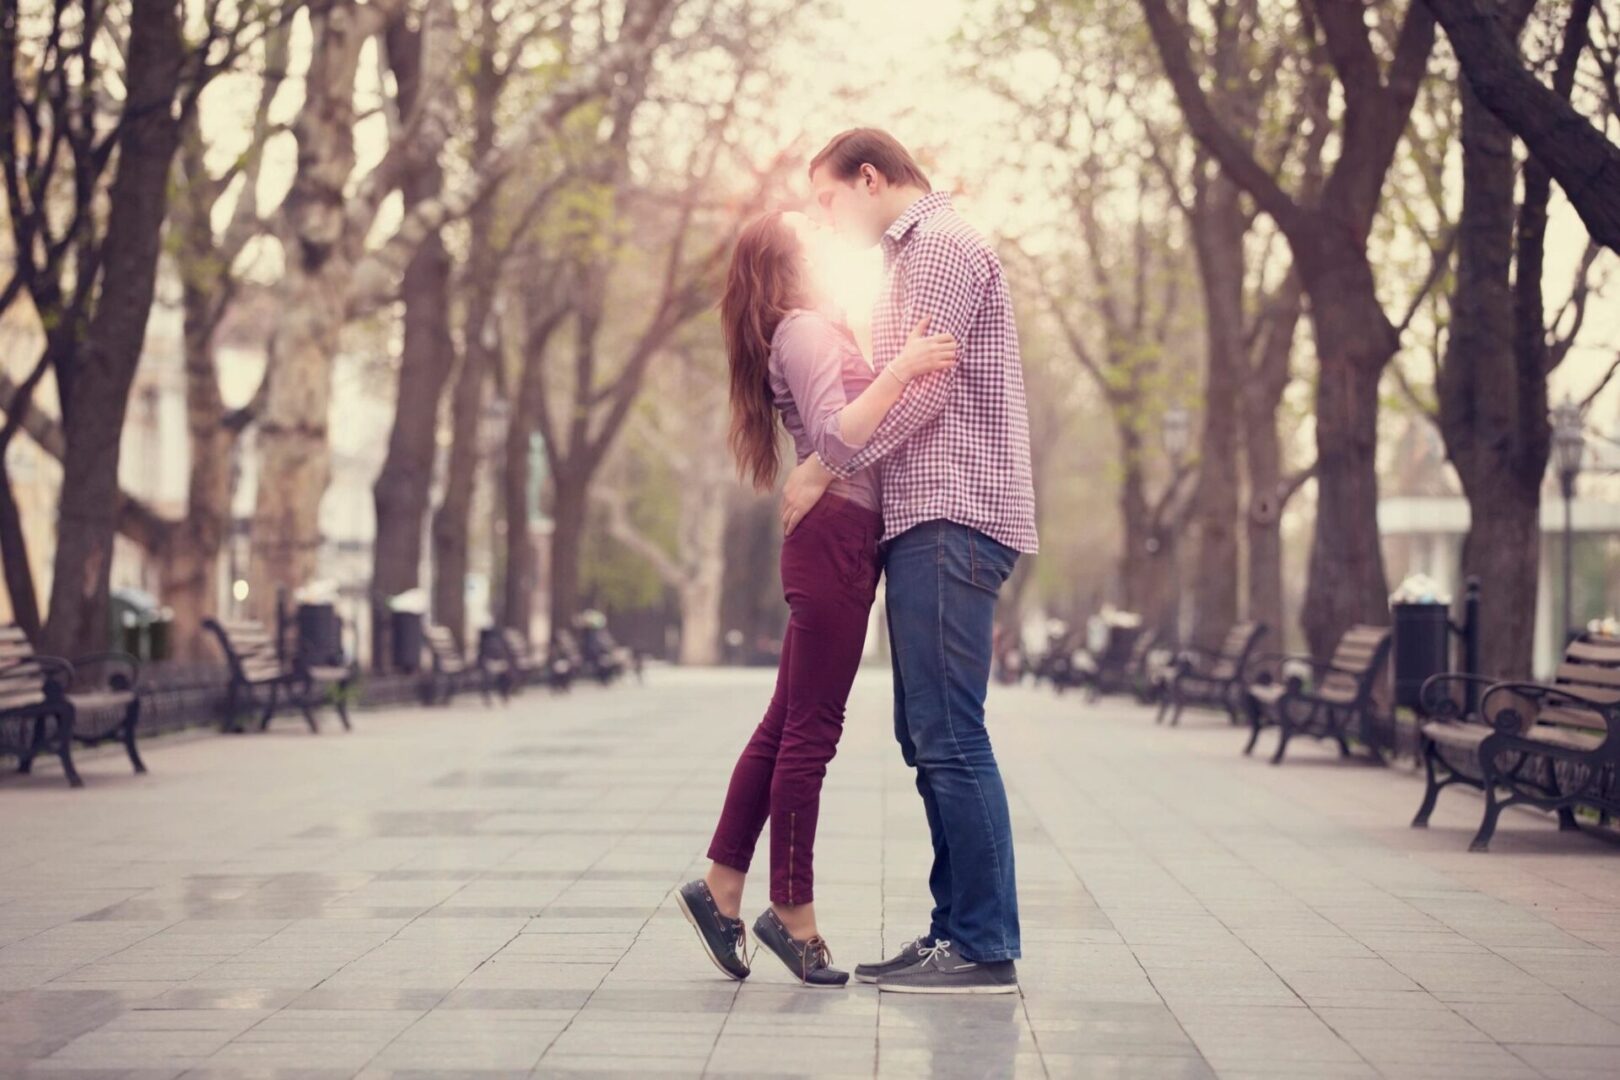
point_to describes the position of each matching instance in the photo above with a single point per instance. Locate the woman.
(790, 360)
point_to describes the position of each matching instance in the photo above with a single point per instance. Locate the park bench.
(61, 705)
(260, 677)
(1125, 665)
(1334, 702)
(496, 663)
(449, 670)
(1210, 678)
(1551, 745)
(604, 659)
(529, 665)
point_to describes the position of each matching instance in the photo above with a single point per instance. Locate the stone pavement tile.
(1410, 1001)
(1573, 1062)
(1340, 975)
(376, 1072)
(789, 1001)
(1541, 1021)
(951, 1063)
(1317, 1070)
(144, 1048)
(636, 1041)
(73, 1072)
(213, 998)
(604, 1066)
(704, 999)
(519, 974)
(212, 1071)
(18, 977)
(489, 999)
(607, 1031)
(1461, 971)
(1466, 1059)
(774, 1055)
(34, 1024)
(1242, 1036)
(1127, 1067)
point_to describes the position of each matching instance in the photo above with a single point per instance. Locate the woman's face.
(814, 253)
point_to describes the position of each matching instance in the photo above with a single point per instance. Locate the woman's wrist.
(889, 370)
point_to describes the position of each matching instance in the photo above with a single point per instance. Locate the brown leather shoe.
(724, 938)
(810, 961)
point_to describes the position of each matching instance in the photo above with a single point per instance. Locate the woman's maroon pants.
(829, 575)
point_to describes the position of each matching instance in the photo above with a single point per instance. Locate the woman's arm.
(812, 356)
(923, 354)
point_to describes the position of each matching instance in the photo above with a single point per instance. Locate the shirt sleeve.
(812, 353)
(945, 281)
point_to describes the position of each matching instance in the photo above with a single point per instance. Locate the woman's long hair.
(762, 285)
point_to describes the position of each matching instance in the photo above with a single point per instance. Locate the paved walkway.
(486, 893)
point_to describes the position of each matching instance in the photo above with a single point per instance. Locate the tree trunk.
(700, 617)
(517, 610)
(293, 451)
(453, 517)
(1263, 457)
(1147, 565)
(1354, 341)
(1493, 400)
(1262, 394)
(703, 559)
(96, 396)
(1570, 147)
(401, 492)
(190, 559)
(1218, 228)
(14, 559)
(570, 491)
(403, 485)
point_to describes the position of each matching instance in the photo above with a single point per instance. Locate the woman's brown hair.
(763, 284)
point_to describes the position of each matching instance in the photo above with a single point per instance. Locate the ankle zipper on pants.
(793, 827)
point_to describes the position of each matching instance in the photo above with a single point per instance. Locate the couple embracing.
(916, 467)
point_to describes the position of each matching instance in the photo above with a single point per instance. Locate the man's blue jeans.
(942, 584)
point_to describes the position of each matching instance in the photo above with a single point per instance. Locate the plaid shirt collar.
(924, 207)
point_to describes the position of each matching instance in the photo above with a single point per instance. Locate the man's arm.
(944, 283)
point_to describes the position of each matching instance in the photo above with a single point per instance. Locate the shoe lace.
(814, 956)
(932, 954)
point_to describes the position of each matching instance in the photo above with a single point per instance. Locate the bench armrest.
(1268, 666)
(48, 666)
(1510, 720)
(1444, 706)
(124, 670)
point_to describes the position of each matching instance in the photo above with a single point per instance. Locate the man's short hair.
(848, 151)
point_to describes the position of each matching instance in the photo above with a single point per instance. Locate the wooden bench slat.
(1570, 716)
(1606, 653)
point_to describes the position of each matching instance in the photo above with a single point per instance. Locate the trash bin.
(491, 646)
(1421, 647)
(405, 630)
(320, 635)
(133, 611)
(160, 635)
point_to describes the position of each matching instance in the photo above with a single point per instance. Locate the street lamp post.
(1569, 445)
(1177, 437)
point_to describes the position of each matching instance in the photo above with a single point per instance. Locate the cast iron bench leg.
(36, 743)
(64, 745)
(343, 704)
(131, 719)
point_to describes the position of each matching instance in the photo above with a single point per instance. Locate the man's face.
(851, 207)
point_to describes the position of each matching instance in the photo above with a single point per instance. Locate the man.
(958, 509)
